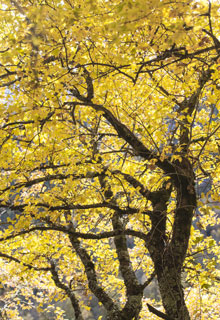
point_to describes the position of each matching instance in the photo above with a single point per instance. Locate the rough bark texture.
(168, 256)
(67, 290)
(134, 290)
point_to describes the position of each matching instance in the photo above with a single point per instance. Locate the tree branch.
(158, 313)
(89, 236)
(89, 266)
(134, 290)
(29, 266)
(126, 134)
(67, 290)
(134, 182)
(52, 177)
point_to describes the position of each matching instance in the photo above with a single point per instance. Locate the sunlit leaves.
(154, 66)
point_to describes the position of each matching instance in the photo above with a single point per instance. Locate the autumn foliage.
(109, 152)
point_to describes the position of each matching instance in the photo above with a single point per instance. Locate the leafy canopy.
(102, 104)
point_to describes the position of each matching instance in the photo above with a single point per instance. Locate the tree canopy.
(109, 153)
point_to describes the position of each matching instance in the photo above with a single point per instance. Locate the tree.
(110, 151)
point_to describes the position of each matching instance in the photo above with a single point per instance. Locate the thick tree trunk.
(169, 280)
(168, 255)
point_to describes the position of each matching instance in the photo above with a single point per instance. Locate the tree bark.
(168, 255)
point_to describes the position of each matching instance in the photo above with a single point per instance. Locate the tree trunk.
(169, 280)
(168, 254)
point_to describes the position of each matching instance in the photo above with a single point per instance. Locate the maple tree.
(109, 150)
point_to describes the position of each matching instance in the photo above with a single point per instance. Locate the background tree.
(109, 136)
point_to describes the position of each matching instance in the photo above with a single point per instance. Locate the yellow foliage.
(103, 105)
